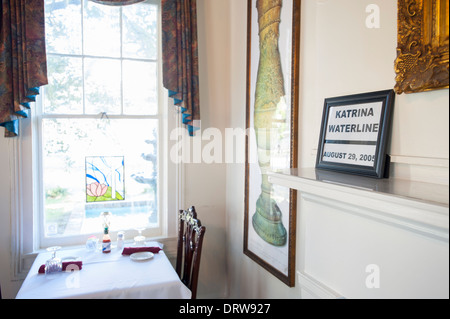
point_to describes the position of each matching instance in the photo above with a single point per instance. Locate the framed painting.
(273, 38)
(422, 50)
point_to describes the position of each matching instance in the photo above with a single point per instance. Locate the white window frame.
(27, 190)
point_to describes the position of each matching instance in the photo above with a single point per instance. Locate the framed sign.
(272, 111)
(355, 133)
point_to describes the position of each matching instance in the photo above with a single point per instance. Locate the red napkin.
(65, 264)
(131, 250)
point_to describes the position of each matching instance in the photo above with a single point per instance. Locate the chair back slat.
(180, 245)
(190, 242)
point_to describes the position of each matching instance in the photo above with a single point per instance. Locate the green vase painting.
(269, 97)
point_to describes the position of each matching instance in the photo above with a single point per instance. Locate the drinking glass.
(91, 243)
(54, 264)
(139, 239)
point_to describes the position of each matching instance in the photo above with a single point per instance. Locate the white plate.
(145, 255)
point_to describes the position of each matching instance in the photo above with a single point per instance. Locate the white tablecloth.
(105, 276)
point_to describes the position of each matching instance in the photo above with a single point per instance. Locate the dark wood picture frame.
(282, 262)
(355, 133)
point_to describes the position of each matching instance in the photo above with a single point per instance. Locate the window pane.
(63, 26)
(64, 93)
(67, 143)
(139, 88)
(101, 32)
(140, 37)
(102, 86)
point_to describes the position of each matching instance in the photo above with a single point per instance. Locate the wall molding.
(418, 160)
(316, 288)
(413, 160)
(16, 211)
(416, 168)
(419, 220)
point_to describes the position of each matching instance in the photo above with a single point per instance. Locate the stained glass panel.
(105, 178)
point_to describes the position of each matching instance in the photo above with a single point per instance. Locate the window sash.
(122, 90)
(81, 238)
(25, 168)
(160, 116)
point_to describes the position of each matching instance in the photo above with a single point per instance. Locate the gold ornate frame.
(422, 52)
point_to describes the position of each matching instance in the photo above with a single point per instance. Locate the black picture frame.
(355, 134)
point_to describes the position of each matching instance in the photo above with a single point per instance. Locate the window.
(103, 103)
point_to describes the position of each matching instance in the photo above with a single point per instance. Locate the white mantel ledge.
(415, 206)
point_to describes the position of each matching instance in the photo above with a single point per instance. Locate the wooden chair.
(189, 251)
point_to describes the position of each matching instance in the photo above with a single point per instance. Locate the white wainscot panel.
(366, 238)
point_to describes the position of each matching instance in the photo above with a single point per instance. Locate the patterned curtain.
(180, 57)
(23, 62)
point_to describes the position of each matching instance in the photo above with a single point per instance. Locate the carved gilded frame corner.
(422, 52)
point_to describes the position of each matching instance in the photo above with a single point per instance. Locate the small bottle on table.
(106, 244)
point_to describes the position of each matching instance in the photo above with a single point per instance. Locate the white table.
(105, 276)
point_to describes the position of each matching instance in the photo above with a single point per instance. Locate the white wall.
(340, 56)
(205, 183)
